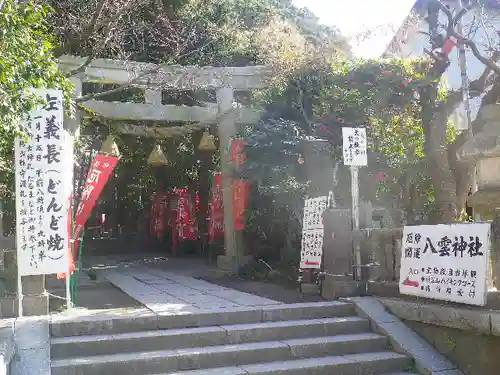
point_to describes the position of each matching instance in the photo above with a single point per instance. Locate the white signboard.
(312, 233)
(313, 213)
(446, 262)
(312, 248)
(354, 146)
(43, 189)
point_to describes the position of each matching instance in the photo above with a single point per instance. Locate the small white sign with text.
(354, 146)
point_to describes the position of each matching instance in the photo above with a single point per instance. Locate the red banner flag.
(216, 215)
(99, 173)
(241, 189)
(159, 214)
(449, 45)
(238, 152)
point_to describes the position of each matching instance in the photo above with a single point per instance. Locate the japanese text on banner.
(43, 188)
(312, 233)
(354, 146)
(446, 262)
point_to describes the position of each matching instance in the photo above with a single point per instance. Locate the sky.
(355, 17)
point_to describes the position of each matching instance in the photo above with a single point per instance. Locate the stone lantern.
(484, 150)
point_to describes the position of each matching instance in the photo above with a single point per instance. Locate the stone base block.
(340, 287)
(35, 305)
(33, 284)
(8, 307)
(309, 288)
(230, 264)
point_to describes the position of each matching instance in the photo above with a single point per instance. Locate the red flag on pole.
(99, 173)
(100, 170)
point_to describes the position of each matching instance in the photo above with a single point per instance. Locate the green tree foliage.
(381, 95)
(26, 62)
(186, 32)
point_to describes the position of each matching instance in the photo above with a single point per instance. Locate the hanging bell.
(109, 147)
(157, 158)
(207, 142)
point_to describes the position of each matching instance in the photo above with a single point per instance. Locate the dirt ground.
(277, 292)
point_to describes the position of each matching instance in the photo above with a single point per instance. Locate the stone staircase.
(299, 339)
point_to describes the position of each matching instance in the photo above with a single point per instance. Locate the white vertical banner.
(43, 188)
(446, 262)
(312, 233)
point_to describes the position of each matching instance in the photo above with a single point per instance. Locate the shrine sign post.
(446, 262)
(44, 166)
(355, 155)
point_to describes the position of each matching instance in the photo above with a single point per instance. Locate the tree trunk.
(463, 172)
(434, 123)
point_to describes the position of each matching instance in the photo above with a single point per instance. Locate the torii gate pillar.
(234, 256)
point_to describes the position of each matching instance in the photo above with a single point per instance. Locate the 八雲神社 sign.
(446, 262)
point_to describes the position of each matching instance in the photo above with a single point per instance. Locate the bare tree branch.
(451, 32)
(120, 88)
(81, 68)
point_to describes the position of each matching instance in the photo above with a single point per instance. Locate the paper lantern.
(207, 142)
(109, 147)
(157, 158)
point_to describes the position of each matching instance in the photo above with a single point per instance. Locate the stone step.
(143, 363)
(81, 346)
(112, 322)
(366, 364)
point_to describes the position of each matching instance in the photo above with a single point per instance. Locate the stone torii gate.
(154, 79)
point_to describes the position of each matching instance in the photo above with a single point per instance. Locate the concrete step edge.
(197, 330)
(290, 346)
(113, 322)
(85, 346)
(330, 363)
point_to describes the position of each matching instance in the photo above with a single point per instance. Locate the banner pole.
(69, 304)
(19, 294)
(73, 280)
(78, 264)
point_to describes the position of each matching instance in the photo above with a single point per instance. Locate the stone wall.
(8, 277)
(381, 255)
(8, 267)
(380, 248)
(468, 337)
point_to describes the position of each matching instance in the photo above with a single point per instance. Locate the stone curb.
(486, 322)
(404, 340)
(7, 345)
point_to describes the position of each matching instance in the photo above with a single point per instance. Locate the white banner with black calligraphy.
(312, 232)
(43, 188)
(354, 145)
(446, 262)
